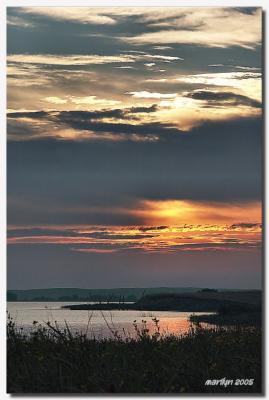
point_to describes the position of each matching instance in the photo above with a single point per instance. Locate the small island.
(229, 307)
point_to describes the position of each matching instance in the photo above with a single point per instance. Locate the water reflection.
(97, 324)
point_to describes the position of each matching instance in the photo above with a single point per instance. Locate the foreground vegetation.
(51, 360)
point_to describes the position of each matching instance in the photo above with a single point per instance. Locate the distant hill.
(76, 294)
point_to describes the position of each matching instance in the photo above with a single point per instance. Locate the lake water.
(101, 323)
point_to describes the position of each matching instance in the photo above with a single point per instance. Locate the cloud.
(55, 181)
(93, 250)
(216, 65)
(209, 27)
(125, 67)
(220, 78)
(163, 47)
(136, 238)
(152, 95)
(30, 234)
(226, 245)
(162, 57)
(100, 125)
(96, 125)
(55, 100)
(84, 15)
(76, 116)
(28, 114)
(87, 126)
(249, 83)
(152, 228)
(142, 109)
(82, 60)
(246, 225)
(19, 21)
(223, 98)
(68, 60)
(156, 80)
(93, 100)
(246, 68)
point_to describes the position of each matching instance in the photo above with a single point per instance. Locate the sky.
(134, 155)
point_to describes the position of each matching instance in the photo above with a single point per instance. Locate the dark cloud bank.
(52, 181)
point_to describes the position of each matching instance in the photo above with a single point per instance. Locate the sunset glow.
(187, 237)
(174, 211)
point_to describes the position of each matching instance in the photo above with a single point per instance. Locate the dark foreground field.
(54, 361)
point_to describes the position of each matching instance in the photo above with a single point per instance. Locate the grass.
(53, 360)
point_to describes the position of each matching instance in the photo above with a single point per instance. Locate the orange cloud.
(101, 251)
(151, 239)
